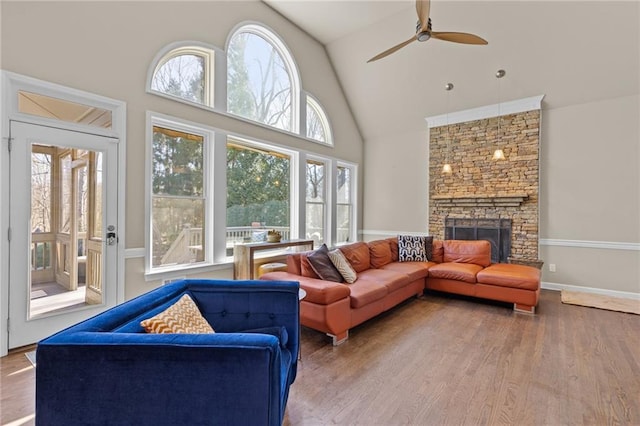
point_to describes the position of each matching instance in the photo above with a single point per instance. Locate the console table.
(248, 257)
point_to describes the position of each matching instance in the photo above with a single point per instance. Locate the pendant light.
(498, 154)
(446, 169)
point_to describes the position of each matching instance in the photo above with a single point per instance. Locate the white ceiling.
(571, 51)
(330, 20)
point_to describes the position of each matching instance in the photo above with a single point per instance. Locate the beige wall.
(590, 191)
(107, 47)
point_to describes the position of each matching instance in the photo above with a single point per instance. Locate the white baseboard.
(605, 292)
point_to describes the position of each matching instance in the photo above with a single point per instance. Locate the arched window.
(317, 123)
(262, 79)
(185, 72)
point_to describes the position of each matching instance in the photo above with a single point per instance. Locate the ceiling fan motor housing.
(423, 35)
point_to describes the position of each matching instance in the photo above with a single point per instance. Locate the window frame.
(208, 134)
(327, 204)
(353, 201)
(312, 101)
(210, 77)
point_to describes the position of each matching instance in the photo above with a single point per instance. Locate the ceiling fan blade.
(393, 49)
(463, 38)
(422, 7)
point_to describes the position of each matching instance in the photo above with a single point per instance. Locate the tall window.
(317, 123)
(258, 192)
(178, 197)
(185, 73)
(316, 201)
(344, 204)
(261, 79)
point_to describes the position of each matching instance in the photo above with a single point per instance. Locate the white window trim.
(328, 179)
(354, 200)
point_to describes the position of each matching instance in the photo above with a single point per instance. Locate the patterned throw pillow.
(181, 317)
(342, 264)
(412, 248)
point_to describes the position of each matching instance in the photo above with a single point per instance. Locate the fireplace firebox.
(496, 231)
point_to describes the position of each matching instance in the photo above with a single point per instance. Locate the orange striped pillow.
(180, 318)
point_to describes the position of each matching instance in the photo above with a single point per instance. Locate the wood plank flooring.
(446, 360)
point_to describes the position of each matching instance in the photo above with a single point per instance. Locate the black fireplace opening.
(496, 231)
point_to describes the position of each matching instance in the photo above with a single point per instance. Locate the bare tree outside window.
(181, 76)
(258, 82)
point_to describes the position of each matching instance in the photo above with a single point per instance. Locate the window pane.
(343, 229)
(178, 231)
(40, 192)
(344, 185)
(258, 195)
(315, 218)
(315, 128)
(182, 76)
(258, 83)
(177, 163)
(344, 203)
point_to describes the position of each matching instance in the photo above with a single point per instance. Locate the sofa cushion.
(322, 265)
(413, 248)
(391, 279)
(364, 292)
(358, 256)
(437, 251)
(181, 317)
(465, 272)
(477, 252)
(415, 270)
(306, 270)
(343, 266)
(293, 264)
(393, 245)
(379, 253)
(511, 275)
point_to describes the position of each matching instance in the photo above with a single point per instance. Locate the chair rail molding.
(605, 245)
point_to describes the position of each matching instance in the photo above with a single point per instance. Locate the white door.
(63, 227)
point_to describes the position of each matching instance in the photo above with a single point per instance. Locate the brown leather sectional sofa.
(461, 267)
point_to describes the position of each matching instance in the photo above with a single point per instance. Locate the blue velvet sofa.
(108, 371)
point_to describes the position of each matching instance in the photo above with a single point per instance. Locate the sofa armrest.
(150, 379)
(318, 291)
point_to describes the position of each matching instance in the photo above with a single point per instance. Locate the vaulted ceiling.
(571, 51)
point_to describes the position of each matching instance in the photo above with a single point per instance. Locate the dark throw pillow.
(322, 265)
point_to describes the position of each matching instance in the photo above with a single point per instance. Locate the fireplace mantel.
(512, 200)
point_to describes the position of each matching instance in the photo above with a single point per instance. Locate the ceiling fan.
(424, 33)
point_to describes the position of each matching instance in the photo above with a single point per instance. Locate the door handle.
(111, 238)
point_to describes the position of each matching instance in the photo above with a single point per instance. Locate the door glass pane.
(97, 196)
(66, 264)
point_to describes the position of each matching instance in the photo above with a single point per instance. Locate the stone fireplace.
(485, 192)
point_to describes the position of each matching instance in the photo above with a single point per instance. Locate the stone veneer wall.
(474, 188)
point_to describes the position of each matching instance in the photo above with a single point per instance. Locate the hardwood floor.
(447, 360)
